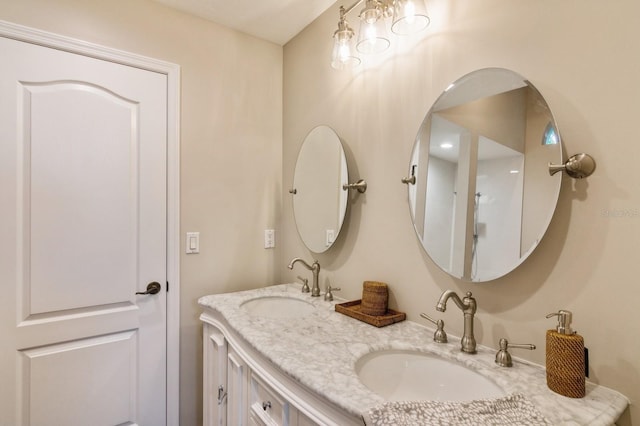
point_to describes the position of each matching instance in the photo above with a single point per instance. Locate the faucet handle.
(328, 295)
(439, 336)
(305, 284)
(503, 357)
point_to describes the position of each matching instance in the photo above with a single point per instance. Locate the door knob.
(152, 288)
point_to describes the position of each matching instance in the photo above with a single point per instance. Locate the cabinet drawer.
(266, 406)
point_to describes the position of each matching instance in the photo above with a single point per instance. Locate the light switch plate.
(193, 243)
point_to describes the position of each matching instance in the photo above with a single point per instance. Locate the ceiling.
(277, 21)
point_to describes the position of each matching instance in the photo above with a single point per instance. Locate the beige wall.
(583, 57)
(231, 136)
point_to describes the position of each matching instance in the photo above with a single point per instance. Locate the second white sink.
(399, 375)
(277, 307)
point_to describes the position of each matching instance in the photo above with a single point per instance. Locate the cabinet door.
(215, 377)
(237, 382)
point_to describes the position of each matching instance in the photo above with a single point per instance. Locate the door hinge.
(167, 286)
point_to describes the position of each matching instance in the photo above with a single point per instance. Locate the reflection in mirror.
(483, 198)
(319, 202)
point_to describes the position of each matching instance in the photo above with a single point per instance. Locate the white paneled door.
(83, 223)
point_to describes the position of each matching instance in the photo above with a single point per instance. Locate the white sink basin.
(399, 375)
(277, 307)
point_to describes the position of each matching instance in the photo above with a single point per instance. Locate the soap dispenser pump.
(565, 358)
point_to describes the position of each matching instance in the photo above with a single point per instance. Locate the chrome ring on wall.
(578, 166)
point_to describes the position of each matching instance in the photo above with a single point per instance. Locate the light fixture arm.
(343, 11)
(343, 31)
(385, 5)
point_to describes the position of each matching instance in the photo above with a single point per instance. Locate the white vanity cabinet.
(266, 368)
(241, 387)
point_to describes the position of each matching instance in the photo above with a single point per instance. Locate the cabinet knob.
(265, 405)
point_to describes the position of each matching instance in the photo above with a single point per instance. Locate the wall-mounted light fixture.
(408, 17)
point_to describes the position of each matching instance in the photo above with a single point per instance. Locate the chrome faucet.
(468, 307)
(315, 269)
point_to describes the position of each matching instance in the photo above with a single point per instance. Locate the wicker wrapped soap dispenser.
(565, 358)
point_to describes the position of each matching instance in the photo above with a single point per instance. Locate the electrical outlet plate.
(269, 238)
(331, 237)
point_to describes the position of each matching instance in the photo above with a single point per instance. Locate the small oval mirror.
(319, 202)
(483, 197)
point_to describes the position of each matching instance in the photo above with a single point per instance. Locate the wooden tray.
(352, 309)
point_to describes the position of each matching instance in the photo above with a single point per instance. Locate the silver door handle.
(152, 288)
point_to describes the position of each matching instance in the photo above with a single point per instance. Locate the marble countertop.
(321, 349)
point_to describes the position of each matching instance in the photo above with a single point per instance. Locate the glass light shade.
(370, 14)
(409, 16)
(344, 53)
(372, 37)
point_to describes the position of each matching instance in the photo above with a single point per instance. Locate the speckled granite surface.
(321, 348)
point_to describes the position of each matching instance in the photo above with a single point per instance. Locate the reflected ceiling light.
(409, 16)
(446, 145)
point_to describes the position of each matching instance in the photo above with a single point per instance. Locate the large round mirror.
(482, 197)
(319, 202)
